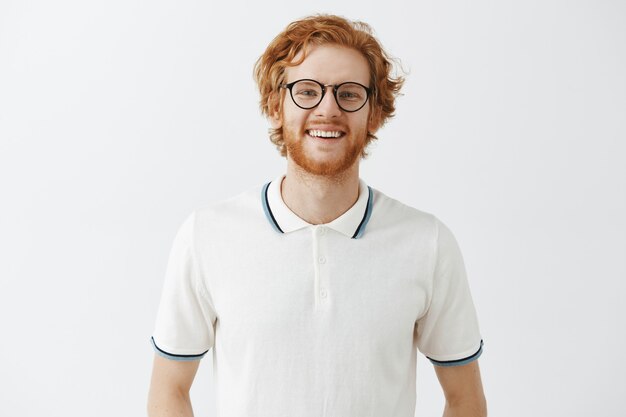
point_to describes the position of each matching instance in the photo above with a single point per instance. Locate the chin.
(323, 166)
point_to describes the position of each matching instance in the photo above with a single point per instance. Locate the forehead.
(331, 64)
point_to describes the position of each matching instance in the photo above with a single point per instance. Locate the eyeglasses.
(349, 96)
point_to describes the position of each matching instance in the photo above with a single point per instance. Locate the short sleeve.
(448, 332)
(184, 328)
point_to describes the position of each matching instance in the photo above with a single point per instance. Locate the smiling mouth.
(325, 134)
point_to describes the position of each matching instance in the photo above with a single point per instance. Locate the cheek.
(361, 122)
(294, 118)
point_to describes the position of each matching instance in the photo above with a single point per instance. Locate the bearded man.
(315, 291)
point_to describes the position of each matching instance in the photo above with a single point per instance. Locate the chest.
(312, 285)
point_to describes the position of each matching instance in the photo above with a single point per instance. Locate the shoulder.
(230, 208)
(388, 212)
(240, 214)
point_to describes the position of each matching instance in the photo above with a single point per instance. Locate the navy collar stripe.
(366, 215)
(268, 210)
(341, 227)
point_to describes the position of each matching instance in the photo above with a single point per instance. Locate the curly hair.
(321, 29)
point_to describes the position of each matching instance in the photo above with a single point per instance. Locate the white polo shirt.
(315, 320)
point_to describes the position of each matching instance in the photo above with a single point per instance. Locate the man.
(314, 290)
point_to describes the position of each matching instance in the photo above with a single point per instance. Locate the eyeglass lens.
(308, 94)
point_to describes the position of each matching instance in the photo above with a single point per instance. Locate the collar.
(351, 223)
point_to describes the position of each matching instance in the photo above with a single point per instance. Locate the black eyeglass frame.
(335, 87)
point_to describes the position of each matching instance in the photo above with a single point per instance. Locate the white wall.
(119, 117)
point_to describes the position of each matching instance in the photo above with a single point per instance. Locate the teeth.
(324, 133)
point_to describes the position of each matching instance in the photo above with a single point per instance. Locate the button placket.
(320, 260)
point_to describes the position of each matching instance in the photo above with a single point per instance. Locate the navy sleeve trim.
(174, 356)
(458, 362)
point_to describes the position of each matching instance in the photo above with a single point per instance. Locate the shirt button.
(322, 260)
(322, 230)
(323, 293)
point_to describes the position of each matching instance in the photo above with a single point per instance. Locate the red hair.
(321, 29)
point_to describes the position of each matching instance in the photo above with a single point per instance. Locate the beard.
(356, 143)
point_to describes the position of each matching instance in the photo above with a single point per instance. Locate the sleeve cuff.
(174, 356)
(458, 362)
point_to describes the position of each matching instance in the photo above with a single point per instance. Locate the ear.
(275, 117)
(276, 121)
(374, 122)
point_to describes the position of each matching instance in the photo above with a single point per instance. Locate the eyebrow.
(326, 84)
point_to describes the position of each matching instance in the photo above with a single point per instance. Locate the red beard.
(328, 167)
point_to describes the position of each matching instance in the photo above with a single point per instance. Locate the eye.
(349, 95)
(307, 93)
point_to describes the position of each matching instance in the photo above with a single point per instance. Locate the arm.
(169, 388)
(463, 390)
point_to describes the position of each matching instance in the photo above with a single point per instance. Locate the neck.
(319, 199)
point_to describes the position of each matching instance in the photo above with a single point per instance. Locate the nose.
(328, 106)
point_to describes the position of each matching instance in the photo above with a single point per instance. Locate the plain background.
(117, 118)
